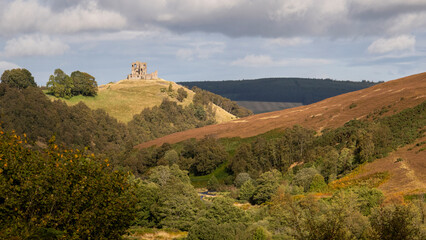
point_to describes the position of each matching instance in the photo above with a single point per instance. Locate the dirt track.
(329, 113)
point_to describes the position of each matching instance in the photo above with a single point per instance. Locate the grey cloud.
(237, 18)
(274, 18)
(32, 16)
(34, 45)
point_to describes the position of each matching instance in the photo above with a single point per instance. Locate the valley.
(380, 100)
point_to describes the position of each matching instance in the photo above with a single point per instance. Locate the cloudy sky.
(187, 40)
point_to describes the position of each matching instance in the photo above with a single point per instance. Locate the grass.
(201, 181)
(138, 232)
(412, 197)
(123, 99)
(232, 144)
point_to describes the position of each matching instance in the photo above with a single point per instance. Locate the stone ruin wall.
(139, 71)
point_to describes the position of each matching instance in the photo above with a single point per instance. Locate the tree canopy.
(79, 83)
(19, 78)
(60, 193)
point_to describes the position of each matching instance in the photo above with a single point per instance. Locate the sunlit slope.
(123, 99)
(405, 171)
(380, 100)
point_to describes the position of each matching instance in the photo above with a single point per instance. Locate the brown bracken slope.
(330, 113)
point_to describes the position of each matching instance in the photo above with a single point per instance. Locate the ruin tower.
(139, 71)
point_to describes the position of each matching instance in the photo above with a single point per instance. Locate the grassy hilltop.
(125, 98)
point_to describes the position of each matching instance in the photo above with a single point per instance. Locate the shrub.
(304, 178)
(268, 184)
(318, 184)
(395, 222)
(213, 184)
(247, 190)
(182, 94)
(60, 193)
(241, 179)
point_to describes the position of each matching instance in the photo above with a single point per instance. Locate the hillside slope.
(125, 98)
(380, 100)
(406, 168)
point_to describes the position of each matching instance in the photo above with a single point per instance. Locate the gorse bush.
(60, 193)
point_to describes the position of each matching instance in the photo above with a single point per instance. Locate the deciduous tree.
(19, 78)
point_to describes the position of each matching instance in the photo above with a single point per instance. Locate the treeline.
(301, 90)
(332, 154)
(169, 118)
(168, 200)
(28, 111)
(205, 97)
(336, 151)
(48, 191)
(197, 157)
(62, 193)
(286, 175)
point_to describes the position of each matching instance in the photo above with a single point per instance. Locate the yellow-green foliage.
(60, 193)
(372, 180)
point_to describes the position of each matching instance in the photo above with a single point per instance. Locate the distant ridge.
(298, 90)
(385, 98)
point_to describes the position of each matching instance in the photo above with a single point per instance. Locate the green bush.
(60, 193)
(247, 190)
(167, 199)
(19, 78)
(396, 222)
(182, 94)
(241, 178)
(304, 178)
(213, 184)
(267, 185)
(318, 184)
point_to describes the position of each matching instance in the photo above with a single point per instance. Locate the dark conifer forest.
(300, 90)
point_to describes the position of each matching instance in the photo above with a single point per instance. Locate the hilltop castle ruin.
(139, 71)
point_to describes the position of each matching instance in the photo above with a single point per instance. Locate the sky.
(207, 40)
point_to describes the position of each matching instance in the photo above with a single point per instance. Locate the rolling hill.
(381, 100)
(125, 98)
(399, 175)
(272, 94)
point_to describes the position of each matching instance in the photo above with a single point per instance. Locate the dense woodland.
(300, 90)
(72, 173)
